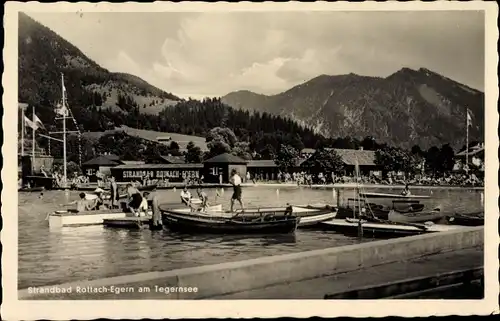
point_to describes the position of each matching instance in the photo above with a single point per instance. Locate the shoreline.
(176, 185)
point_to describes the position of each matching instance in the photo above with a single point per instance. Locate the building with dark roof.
(102, 164)
(218, 168)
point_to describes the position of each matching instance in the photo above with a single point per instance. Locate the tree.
(193, 154)
(174, 146)
(286, 158)
(242, 149)
(432, 160)
(326, 161)
(394, 159)
(446, 158)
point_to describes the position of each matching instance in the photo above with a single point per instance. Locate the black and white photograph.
(242, 152)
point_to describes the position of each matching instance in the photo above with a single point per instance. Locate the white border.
(12, 309)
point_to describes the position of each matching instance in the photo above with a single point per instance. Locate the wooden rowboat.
(467, 219)
(387, 195)
(351, 226)
(309, 215)
(192, 223)
(73, 218)
(416, 217)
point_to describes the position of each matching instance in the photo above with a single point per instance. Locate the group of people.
(235, 180)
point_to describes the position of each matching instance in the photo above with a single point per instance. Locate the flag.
(469, 118)
(31, 124)
(38, 122)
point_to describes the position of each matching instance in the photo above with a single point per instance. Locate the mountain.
(409, 107)
(44, 55)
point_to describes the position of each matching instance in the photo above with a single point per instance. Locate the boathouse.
(102, 164)
(165, 172)
(219, 168)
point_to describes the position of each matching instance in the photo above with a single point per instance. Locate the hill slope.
(43, 56)
(407, 108)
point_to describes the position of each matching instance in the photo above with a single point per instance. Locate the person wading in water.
(135, 199)
(235, 180)
(114, 193)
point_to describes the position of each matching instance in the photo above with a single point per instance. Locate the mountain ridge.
(409, 107)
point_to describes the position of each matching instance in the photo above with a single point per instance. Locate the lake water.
(83, 253)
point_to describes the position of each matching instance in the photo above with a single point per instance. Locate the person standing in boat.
(134, 197)
(203, 198)
(235, 180)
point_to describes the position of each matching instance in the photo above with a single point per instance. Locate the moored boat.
(415, 217)
(351, 227)
(237, 224)
(309, 215)
(388, 195)
(466, 219)
(73, 218)
(128, 222)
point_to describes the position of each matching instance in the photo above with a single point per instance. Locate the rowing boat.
(73, 218)
(309, 215)
(415, 217)
(351, 226)
(128, 222)
(467, 219)
(387, 195)
(237, 224)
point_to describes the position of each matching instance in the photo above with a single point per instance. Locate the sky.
(213, 53)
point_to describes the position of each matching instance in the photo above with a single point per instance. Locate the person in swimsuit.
(203, 198)
(186, 196)
(135, 198)
(236, 182)
(84, 204)
(114, 193)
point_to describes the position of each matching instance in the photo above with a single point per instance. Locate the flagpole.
(22, 131)
(33, 147)
(64, 127)
(467, 143)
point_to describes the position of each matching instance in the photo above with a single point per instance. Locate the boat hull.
(371, 229)
(128, 222)
(415, 217)
(474, 219)
(201, 224)
(64, 218)
(309, 216)
(388, 195)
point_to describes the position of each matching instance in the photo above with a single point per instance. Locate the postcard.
(250, 160)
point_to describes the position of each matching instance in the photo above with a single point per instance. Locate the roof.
(173, 159)
(102, 160)
(159, 166)
(349, 156)
(226, 158)
(267, 163)
(307, 150)
(133, 162)
(113, 157)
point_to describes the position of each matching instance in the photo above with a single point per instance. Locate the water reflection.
(80, 253)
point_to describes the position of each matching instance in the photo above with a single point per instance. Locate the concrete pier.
(227, 279)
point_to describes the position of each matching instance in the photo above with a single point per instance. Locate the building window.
(214, 171)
